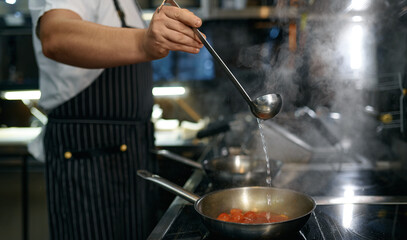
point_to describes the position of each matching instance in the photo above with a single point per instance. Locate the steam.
(323, 74)
(335, 70)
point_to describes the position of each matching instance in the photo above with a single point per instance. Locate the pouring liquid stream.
(263, 140)
(268, 166)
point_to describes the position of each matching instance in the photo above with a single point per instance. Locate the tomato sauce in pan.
(251, 217)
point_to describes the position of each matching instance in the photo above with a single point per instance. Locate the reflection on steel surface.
(402, 200)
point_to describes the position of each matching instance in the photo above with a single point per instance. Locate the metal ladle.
(264, 107)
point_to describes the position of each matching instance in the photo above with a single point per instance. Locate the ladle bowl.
(267, 106)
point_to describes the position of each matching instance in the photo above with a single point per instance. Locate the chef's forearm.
(66, 38)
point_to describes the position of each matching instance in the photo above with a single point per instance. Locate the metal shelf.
(271, 12)
(262, 12)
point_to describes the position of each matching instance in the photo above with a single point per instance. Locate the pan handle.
(170, 186)
(177, 158)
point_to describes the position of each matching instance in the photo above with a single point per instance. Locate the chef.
(96, 86)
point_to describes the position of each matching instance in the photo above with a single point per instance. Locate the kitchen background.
(339, 65)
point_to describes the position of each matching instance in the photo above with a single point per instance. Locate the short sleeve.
(87, 10)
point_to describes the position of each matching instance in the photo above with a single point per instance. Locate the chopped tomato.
(277, 218)
(245, 220)
(235, 210)
(263, 214)
(251, 216)
(238, 216)
(260, 219)
(224, 217)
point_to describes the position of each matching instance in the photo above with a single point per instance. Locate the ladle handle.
(219, 60)
(223, 65)
(170, 186)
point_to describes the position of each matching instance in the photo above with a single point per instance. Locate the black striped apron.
(94, 144)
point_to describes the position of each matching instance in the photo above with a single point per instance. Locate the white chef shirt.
(60, 82)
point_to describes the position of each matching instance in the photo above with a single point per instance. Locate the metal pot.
(231, 170)
(297, 206)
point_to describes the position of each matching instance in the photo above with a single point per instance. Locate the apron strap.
(120, 13)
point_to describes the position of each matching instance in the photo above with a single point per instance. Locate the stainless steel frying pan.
(297, 206)
(231, 170)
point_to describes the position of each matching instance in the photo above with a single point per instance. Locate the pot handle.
(170, 186)
(213, 129)
(178, 158)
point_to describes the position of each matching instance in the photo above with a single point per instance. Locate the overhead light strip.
(21, 95)
(169, 91)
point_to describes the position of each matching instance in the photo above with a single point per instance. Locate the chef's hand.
(171, 30)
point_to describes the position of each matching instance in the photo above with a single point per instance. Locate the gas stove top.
(341, 221)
